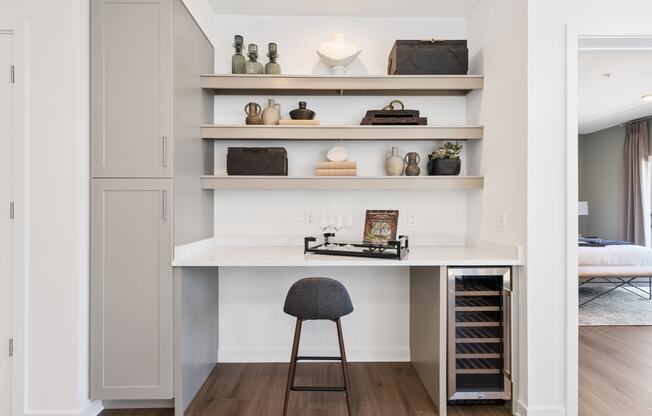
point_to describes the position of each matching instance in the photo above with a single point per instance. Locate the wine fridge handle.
(507, 333)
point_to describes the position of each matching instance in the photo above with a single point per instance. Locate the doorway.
(7, 244)
(604, 349)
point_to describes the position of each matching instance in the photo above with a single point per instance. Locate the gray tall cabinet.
(147, 156)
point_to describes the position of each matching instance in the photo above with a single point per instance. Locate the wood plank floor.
(615, 380)
(616, 371)
(379, 389)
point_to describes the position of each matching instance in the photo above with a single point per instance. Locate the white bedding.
(625, 255)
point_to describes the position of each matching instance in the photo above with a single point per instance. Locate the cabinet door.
(131, 289)
(131, 88)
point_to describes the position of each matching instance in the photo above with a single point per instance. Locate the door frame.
(575, 32)
(17, 28)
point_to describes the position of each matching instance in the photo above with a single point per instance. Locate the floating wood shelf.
(242, 132)
(342, 182)
(229, 84)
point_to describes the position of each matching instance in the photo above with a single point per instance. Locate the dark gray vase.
(302, 113)
(447, 167)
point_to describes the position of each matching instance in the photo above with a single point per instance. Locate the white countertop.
(205, 254)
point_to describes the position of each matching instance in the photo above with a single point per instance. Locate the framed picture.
(380, 226)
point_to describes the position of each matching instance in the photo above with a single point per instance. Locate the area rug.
(616, 308)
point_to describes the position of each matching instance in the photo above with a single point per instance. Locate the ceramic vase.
(253, 114)
(272, 53)
(272, 114)
(394, 163)
(337, 53)
(252, 66)
(412, 160)
(302, 113)
(238, 59)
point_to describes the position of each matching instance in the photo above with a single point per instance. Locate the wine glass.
(332, 225)
(339, 223)
(348, 225)
(323, 226)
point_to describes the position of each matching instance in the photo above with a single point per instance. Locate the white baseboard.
(93, 409)
(282, 355)
(138, 404)
(523, 410)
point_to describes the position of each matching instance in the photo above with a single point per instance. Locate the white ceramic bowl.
(338, 52)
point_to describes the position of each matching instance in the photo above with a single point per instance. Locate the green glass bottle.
(272, 53)
(252, 66)
(238, 59)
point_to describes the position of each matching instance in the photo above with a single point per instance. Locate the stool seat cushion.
(318, 298)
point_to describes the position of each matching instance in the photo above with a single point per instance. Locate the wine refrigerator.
(479, 334)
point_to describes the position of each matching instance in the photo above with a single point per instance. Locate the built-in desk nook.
(191, 260)
(460, 317)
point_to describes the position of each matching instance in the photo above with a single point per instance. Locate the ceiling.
(609, 101)
(371, 8)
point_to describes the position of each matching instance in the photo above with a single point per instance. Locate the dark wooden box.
(429, 57)
(257, 161)
(389, 116)
(393, 118)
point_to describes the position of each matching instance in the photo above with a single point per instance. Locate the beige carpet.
(619, 307)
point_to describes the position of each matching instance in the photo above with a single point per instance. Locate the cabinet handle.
(165, 205)
(165, 151)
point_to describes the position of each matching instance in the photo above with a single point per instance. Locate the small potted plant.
(445, 160)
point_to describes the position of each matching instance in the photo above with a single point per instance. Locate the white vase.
(272, 114)
(337, 53)
(394, 163)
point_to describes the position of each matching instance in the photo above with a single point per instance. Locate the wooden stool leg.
(345, 366)
(293, 365)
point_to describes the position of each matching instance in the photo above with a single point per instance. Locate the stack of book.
(346, 168)
(287, 122)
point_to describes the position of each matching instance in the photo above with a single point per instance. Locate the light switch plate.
(501, 222)
(412, 219)
(308, 218)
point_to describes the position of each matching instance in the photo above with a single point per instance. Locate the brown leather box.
(257, 161)
(429, 57)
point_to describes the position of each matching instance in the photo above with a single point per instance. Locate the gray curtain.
(636, 153)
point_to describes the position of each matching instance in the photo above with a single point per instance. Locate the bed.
(617, 264)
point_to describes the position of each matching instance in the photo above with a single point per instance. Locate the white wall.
(546, 214)
(552, 331)
(57, 298)
(377, 330)
(497, 32)
(631, 12)
(277, 217)
(57, 32)
(498, 45)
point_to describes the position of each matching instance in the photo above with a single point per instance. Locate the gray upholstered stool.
(311, 299)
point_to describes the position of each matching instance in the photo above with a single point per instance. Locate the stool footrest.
(329, 389)
(313, 358)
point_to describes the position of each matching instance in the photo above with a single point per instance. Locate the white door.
(6, 222)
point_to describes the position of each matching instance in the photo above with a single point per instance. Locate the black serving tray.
(393, 250)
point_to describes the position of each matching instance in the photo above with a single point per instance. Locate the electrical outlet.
(501, 222)
(308, 218)
(412, 219)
